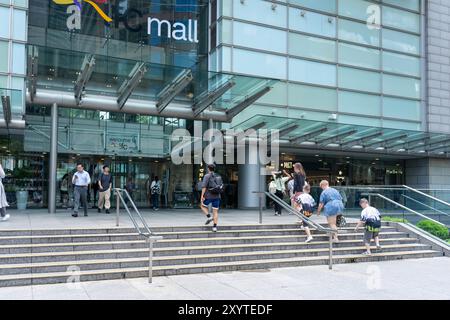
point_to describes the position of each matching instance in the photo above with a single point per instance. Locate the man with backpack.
(371, 218)
(211, 193)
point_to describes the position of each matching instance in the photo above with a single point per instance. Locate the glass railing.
(393, 196)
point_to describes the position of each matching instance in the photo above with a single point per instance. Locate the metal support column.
(53, 159)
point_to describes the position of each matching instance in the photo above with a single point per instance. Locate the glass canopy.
(302, 133)
(11, 101)
(62, 71)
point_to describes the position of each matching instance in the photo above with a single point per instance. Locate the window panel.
(401, 86)
(401, 19)
(407, 4)
(4, 22)
(359, 56)
(19, 25)
(322, 5)
(312, 47)
(259, 64)
(401, 125)
(4, 53)
(400, 41)
(311, 22)
(312, 72)
(356, 9)
(358, 32)
(17, 102)
(18, 61)
(398, 63)
(401, 108)
(276, 96)
(225, 34)
(260, 11)
(304, 96)
(3, 81)
(359, 80)
(359, 103)
(257, 37)
(21, 3)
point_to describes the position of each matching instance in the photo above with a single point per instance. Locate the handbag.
(340, 221)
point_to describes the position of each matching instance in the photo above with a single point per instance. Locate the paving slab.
(403, 279)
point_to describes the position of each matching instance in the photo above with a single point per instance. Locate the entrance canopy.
(76, 79)
(309, 134)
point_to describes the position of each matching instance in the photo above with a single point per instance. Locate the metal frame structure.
(128, 86)
(210, 97)
(166, 96)
(83, 77)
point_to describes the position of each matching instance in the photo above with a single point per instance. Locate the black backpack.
(215, 184)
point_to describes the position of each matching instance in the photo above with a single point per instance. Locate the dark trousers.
(279, 194)
(3, 211)
(80, 194)
(155, 200)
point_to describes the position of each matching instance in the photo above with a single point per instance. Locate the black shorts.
(369, 235)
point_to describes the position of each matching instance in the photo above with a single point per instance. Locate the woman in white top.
(280, 185)
(3, 202)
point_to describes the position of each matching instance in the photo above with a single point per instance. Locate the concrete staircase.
(50, 256)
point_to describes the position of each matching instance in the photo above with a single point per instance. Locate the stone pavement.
(41, 219)
(402, 279)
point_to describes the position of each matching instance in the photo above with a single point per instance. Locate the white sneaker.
(214, 229)
(6, 217)
(309, 239)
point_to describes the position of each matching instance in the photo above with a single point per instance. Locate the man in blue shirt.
(81, 180)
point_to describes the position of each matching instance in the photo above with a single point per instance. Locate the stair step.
(113, 230)
(60, 266)
(104, 274)
(182, 250)
(166, 235)
(217, 239)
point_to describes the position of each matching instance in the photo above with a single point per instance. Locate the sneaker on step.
(99, 210)
(208, 221)
(309, 239)
(107, 211)
(214, 229)
(6, 217)
(366, 253)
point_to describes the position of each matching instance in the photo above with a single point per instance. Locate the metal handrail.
(150, 237)
(428, 196)
(425, 205)
(306, 220)
(404, 207)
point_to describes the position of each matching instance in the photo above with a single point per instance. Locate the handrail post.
(260, 196)
(330, 254)
(150, 260)
(117, 207)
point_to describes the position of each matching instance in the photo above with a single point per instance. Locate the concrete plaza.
(404, 279)
(41, 219)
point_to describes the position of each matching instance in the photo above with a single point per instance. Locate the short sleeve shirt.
(105, 180)
(207, 184)
(370, 213)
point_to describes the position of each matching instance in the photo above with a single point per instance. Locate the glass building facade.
(361, 60)
(350, 77)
